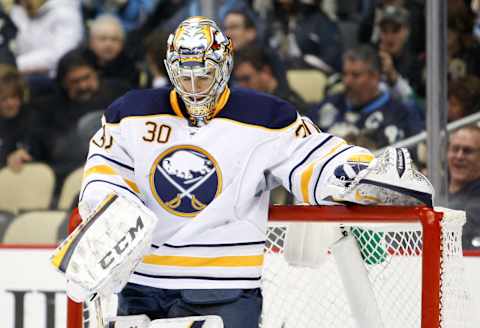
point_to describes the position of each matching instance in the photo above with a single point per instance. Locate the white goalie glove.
(389, 179)
(99, 256)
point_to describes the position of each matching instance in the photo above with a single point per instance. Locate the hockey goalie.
(176, 188)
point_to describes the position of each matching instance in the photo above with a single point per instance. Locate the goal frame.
(429, 219)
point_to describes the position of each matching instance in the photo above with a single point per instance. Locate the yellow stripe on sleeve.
(108, 170)
(132, 185)
(187, 261)
(100, 169)
(306, 175)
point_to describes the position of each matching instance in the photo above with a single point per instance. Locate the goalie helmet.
(199, 63)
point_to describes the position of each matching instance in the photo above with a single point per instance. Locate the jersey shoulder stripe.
(256, 108)
(320, 145)
(140, 103)
(128, 167)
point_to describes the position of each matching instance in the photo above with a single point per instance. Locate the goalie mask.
(199, 62)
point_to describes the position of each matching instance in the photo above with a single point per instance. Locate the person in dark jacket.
(15, 115)
(56, 138)
(364, 107)
(304, 36)
(105, 50)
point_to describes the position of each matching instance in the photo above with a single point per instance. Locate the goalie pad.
(142, 321)
(100, 254)
(389, 179)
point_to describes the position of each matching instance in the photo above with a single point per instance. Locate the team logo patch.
(185, 179)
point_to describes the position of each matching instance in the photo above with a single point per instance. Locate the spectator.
(106, 51)
(363, 107)
(463, 54)
(240, 26)
(47, 29)
(464, 185)
(131, 13)
(56, 138)
(80, 88)
(463, 95)
(156, 48)
(15, 114)
(304, 36)
(369, 29)
(253, 70)
(8, 33)
(399, 64)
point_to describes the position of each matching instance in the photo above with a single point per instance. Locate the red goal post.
(429, 248)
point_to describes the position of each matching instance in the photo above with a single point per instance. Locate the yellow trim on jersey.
(188, 261)
(174, 103)
(100, 169)
(108, 170)
(222, 101)
(306, 175)
(132, 185)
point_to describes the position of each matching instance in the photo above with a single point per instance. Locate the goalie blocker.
(389, 179)
(100, 254)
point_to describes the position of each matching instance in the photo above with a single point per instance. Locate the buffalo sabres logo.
(185, 179)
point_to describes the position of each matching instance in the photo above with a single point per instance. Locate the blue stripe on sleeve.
(304, 160)
(128, 167)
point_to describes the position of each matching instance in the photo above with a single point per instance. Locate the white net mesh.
(392, 259)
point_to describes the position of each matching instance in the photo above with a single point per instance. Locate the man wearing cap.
(399, 66)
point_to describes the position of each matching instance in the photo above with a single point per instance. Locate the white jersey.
(208, 186)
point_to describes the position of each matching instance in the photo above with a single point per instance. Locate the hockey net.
(393, 267)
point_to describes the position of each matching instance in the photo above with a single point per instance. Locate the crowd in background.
(62, 62)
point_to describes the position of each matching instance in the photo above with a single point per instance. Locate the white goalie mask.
(199, 63)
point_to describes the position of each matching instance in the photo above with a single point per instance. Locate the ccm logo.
(121, 245)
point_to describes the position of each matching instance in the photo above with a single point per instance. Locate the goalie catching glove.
(389, 179)
(100, 254)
